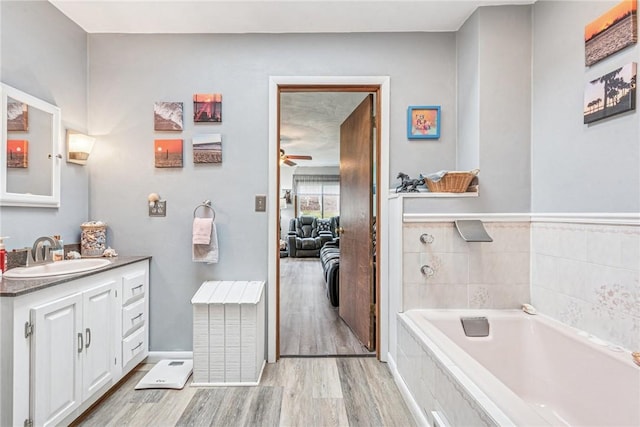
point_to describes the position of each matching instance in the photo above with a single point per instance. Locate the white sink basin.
(56, 268)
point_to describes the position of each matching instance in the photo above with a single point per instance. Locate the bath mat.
(167, 374)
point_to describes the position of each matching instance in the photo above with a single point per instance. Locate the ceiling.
(266, 16)
(310, 122)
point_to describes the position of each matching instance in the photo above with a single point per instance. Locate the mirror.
(30, 159)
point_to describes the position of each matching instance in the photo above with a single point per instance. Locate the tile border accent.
(608, 218)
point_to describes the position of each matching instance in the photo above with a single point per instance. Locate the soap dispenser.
(3, 256)
(58, 254)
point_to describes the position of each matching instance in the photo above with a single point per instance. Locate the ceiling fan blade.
(293, 156)
(289, 162)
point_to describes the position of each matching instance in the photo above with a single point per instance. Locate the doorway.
(365, 84)
(315, 188)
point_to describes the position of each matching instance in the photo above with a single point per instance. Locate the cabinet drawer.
(132, 317)
(133, 286)
(133, 345)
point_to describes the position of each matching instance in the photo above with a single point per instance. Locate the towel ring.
(207, 205)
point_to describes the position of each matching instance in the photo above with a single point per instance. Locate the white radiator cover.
(228, 333)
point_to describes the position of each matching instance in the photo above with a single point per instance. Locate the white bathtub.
(530, 370)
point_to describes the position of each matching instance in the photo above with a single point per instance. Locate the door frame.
(328, 84)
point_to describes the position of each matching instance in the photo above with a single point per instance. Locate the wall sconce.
(79, 147)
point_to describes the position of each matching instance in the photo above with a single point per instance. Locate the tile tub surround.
(588, 276)
(548, 378)
(466, 274)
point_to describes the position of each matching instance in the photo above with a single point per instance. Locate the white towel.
(207, 253)
(202, 231)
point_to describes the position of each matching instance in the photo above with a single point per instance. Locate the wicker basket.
(452, 182)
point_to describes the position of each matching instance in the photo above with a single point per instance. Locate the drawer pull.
(138, 317)
(137, 347)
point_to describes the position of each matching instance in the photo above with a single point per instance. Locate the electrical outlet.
(261, 203)
(158, 208)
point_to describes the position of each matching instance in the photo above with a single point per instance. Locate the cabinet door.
(98, 321)
(57, 347)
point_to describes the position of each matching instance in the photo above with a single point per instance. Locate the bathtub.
(530, 370)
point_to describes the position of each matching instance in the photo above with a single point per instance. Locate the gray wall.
(494, 90)
(44, 54)
(128, 73)
(577, 167)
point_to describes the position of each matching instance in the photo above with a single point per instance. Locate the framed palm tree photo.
(610, 94)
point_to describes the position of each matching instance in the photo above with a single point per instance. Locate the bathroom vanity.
(66, 340)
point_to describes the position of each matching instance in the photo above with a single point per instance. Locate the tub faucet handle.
(427, 271)
(426, 238)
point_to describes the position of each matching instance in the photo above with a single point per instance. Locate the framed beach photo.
(207, 148)
(17, 116)
(423, 122)
(167, 116)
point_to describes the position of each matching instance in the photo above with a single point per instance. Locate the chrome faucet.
(40, 253)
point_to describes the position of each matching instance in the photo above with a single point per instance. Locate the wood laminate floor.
(309, 325)
(292, 392)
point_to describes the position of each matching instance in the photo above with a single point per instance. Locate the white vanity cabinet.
(72, 351)
(65, 345)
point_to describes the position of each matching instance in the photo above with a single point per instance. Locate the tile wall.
(466, 275)
(588, 276)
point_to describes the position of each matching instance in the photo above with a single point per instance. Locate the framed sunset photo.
(168, 153)
(17, 153)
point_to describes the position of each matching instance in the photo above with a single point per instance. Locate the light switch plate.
(261, 203)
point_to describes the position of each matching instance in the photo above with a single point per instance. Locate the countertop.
(17, 287)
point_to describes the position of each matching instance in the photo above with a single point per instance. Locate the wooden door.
(56, 353)
(98, 313)
(356, 246)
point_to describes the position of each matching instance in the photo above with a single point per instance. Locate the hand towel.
(202, 231)
(207, 252)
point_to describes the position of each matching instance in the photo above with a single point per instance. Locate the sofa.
(307, 234)
(330, 260)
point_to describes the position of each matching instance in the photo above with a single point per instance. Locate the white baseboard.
(156, 356)
(418, 416)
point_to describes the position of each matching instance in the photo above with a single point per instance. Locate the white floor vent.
(167, 374)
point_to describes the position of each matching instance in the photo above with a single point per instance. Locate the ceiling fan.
(286, 158)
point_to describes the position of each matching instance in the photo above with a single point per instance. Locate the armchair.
(304, 237)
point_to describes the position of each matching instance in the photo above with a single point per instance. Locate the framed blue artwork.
(423, 122)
